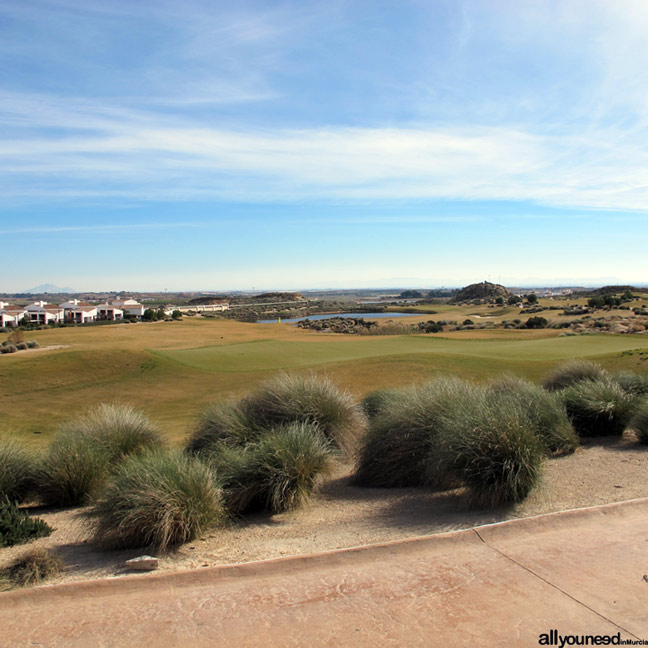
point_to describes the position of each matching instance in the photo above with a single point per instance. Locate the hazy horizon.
(152, 146)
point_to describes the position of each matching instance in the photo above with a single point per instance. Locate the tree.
(177, 314)
(149, 315)
(532, 298)
(513, 299)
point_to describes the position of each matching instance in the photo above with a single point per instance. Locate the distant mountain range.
(49, 288)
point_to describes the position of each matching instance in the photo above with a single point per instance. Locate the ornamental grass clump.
(35, 567)
(295, 398)
(598, 407)
(572, 372)
(639, 422)
(277, 474)
(88, 448)
(227, 423)
(546, 411)
(493, 448)
(374, 402)
(399, 449)
(632, 383)
(119, 430)
(158, 499)
(73, 469)
(17, 469)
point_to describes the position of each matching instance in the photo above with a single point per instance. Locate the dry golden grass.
(144, 365)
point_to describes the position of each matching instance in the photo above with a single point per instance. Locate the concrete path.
(579, 572)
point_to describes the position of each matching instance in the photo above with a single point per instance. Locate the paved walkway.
(578, 572)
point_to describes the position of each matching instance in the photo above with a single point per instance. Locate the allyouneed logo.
(553, 638)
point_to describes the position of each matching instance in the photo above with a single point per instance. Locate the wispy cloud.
(573, 133)
(98, 229)
(105, 150)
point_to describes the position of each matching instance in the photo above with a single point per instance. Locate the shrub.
(16, 527)
(158, 499)
(399, 449)
(310, 399)
(598, 407)
(494, 449)
(545, 410)
(17, 469)
(226, 423)
(9, 348)
(632, 383)
(639, 422)
(536, 322)
(34, 567)
(276, 475)
(573, 372)
(32, 344)
(22, 346)
(72, 471)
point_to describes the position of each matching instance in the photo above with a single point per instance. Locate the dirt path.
(578, 572)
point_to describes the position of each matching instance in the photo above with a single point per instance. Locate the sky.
(211, 145)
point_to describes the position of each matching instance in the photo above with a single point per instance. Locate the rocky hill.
(482, 291)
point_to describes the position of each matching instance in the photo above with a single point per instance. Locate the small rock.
(142, 563)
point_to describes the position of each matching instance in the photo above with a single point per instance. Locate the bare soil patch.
(341, 515)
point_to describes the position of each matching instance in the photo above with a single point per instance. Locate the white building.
(79, 312)
(109, 312)
(41, 312)
(214, 307)
(129, 307)
(11, 315)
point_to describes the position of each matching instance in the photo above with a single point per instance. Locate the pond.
(331, 315)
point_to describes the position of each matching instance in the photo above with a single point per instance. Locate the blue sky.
(216, 145)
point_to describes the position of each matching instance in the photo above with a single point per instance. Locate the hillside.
(483, 290)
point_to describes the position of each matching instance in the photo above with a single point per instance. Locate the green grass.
(173, 371)
(266, 355)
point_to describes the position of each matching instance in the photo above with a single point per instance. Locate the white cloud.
(110, 151)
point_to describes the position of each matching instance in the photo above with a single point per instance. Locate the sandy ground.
(341, 515)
